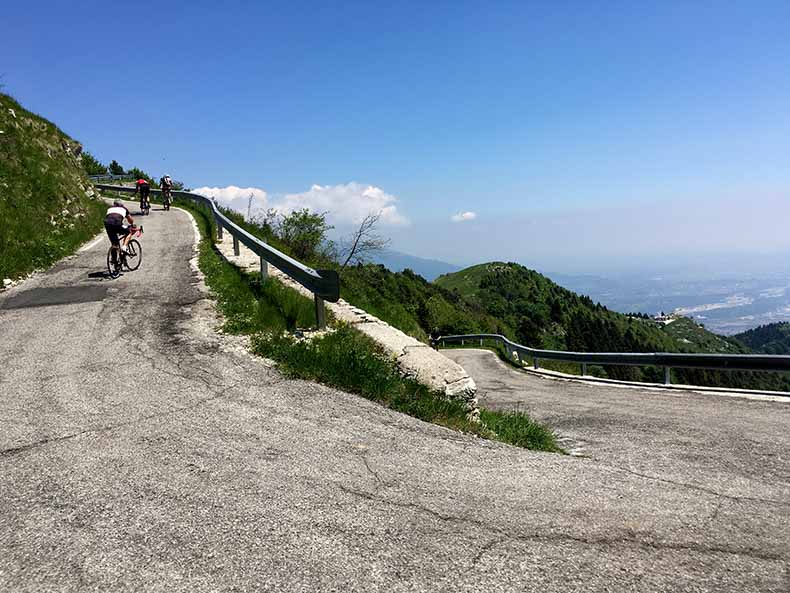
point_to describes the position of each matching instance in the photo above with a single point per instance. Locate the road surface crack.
(486, 548)
(379, 481)
(696, 487)
(109, 428)
(504, 536)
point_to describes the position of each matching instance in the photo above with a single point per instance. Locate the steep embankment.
(47, 205)
(773, 338)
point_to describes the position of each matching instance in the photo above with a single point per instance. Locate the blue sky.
(556, 123)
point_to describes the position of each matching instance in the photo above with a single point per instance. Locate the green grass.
(45, 212)
(512, 428)
(343, 358)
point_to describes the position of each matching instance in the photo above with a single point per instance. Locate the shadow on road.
(103, 275)
(55, 295)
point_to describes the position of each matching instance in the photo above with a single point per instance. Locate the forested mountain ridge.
(773, 338)
(543, 314)
(537, 312)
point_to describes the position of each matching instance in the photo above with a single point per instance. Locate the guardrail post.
(517, 356)
(584, 369)
(219, 231)
(667, 376)
(320, 313)
(264, 270)
(463, 342)
(235, 245)
(481, 341)
(536, 362)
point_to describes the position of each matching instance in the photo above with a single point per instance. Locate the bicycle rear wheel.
(134, 255)
(114, 270)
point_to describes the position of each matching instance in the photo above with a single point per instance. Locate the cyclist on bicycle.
(167, 185)
(113, 224)
(143, 188)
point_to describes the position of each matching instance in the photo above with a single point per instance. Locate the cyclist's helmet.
(118, 204)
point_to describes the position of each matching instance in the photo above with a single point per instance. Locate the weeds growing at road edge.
(517, 429)
(343, 358)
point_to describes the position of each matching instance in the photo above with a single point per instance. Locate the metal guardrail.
(109, 177)
(324, 284)
(668, 360)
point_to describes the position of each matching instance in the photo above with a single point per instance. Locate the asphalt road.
(141, 451)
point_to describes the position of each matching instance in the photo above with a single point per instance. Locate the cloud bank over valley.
(345, 204)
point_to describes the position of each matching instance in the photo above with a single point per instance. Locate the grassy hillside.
(47, 204)
(773, 338)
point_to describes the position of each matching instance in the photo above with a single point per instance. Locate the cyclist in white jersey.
(113, 223)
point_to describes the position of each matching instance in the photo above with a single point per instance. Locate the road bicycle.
(129, 257)
(167, 199)
(145, 205)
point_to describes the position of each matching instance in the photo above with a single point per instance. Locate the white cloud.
(463, 216)
(348, 203)
(345, 203)
(237, 198)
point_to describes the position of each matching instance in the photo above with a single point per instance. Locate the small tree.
(115, 168)
(364, 242)
(303, 231)
(249, 207)
(92, 165)
(138, 173)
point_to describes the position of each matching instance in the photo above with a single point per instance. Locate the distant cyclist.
(167, 185)
(143, 188)
(113, 223)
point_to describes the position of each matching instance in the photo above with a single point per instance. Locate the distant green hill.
(773, 338)
(538, 312)
(542, 314)
(414, 305)
(47, 204)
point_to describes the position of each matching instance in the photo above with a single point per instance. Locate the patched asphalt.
(141, 451)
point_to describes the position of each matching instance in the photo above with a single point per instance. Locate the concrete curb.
(415, 359)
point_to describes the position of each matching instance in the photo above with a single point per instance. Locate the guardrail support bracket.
(264, 270)
(320, 312)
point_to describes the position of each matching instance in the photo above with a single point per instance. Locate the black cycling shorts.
(114, 231)
(144, 191)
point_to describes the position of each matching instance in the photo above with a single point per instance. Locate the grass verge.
(343, 358)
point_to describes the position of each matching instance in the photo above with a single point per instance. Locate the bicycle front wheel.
(134, 255)
(112, 269)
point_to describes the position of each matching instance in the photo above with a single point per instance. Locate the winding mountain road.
(141, 450)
